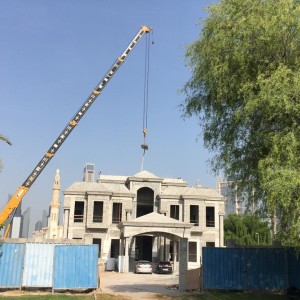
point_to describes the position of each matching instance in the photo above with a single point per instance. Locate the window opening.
(174, 213)
(98, 212)
(117, 213)
(98, 242)
(192, 251)
(78, 212)
(210, 216)
(194, 214)
(114, 248)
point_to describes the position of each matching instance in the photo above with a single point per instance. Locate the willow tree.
(245, 90)
(246, 230)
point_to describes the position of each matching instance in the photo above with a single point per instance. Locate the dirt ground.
(139, 286)
(126, 286)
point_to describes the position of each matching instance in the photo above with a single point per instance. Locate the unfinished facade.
(143, 217)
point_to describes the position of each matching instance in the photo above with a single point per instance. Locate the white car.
(143, 266)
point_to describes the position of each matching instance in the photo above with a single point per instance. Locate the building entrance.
(143, 248)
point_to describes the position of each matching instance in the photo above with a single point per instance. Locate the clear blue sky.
(53, 53)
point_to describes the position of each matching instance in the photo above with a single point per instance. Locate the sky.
(52, 55)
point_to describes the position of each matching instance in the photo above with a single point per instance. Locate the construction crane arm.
(16, 199)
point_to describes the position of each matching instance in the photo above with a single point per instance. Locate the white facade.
(143, 216)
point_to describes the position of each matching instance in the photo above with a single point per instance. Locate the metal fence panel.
(294, 267)
(11, 262)
(38, 265)
(245, 268)
(76, 267)
(223, 268)
(265, 268)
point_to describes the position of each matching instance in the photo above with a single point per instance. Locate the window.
(114, 248)
(78, 211)
(210, 244)
(194, 214)
(174, 212)
(98, 212)
(210, 216)
(98, 242)
(192, 251)
(173, 251)
(117, 213)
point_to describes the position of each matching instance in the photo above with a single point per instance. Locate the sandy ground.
(139, 286)
(126, 286)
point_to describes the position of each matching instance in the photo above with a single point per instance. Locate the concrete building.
(25, 222)
(20, 223)
(143, 217)
(235, 201)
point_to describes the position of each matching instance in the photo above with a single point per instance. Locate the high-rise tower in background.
(89, 173)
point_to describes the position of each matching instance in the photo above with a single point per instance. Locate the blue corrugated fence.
(250, 268)
(76, 267)
(11, 262)
(32, 265)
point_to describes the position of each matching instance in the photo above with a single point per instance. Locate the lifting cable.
(144, 146)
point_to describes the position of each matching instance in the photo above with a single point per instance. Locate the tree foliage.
(246, 230)
(245, 89)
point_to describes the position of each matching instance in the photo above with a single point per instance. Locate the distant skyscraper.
(45, 218)
(16, 224)
(89, 173)
(15, 227)
(38, 225)
(25, 223)
(235, 202)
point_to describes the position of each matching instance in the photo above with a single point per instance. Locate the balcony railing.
(210, 223)
(116, 220)
(195, 221)
(97, 219)
(78, 218)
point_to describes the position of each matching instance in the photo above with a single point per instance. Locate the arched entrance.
(152, 236)
(145, 201)
(145, 205)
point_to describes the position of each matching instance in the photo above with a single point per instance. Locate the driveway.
(139, 286)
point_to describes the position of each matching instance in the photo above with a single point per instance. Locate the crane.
(8, 211)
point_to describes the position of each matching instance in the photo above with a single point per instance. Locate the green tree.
(245, 89)
(246, 230)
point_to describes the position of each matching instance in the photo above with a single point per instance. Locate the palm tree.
(5, 139)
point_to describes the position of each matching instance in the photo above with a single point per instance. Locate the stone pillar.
(66, 223)
(175, 255)
(221, 230)
(183, 263)
(126, 258)
(121, 266)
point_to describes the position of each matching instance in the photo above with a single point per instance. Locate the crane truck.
(6, 215)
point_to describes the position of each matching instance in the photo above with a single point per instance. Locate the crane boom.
(16, 199)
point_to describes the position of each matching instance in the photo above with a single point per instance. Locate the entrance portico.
(154, 225)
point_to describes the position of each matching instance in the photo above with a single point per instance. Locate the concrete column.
(121, 257)
(126, 259)
(183, 263)
(175, 255)
(221, 230)
(66, 223)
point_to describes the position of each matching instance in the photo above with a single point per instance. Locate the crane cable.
(144, 146)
